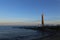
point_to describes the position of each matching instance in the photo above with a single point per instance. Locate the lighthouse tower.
(42, 20)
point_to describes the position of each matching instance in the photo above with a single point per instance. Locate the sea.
(11, 33)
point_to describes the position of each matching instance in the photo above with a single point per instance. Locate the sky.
(29, 11)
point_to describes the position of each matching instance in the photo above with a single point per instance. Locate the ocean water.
(10, 33)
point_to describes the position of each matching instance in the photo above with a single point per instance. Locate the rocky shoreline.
(55, 30)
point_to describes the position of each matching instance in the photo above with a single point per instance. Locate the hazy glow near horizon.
(29, 11)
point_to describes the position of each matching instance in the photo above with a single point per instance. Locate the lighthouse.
(42, 20)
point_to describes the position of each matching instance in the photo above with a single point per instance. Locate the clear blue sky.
(29, 10)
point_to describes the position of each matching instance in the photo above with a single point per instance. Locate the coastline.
(55, 30)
